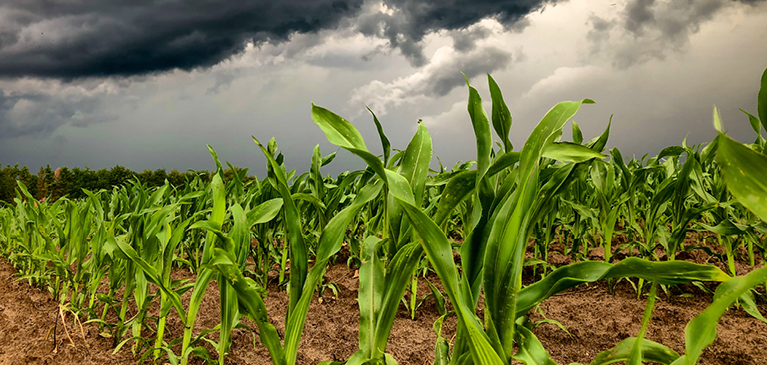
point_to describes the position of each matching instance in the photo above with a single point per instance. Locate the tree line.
(63, 181)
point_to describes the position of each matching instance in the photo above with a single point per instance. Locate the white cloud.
(437, 79)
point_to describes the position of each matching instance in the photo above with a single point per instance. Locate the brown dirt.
(595, 319)
(26, 317)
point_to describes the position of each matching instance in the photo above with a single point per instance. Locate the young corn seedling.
(382, 283)
(501, 254)
(302, 284)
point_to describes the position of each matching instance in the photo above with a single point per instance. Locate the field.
(558, 252)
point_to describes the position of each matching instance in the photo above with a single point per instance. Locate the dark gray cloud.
(466, 40)
(88, 38)
(444, 78)
(649, 29)
(599, 34)
(224, 79)
(165, 120)
(408, 21)
(82, 38)
(37, 114)
(637, 14)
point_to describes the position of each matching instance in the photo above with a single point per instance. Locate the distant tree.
(64, 182)
(145, 176)
(204, 175)
(158, 177)
(7, 184)
(177, 179)
(41, 192)
(81, 179)
(44, 183)
(248, 179)
(228, 175)
(119, 176)
(29, 180)
(50, 181)
(93, 179)
(102, 180)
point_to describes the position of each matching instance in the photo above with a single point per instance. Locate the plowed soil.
(595, 319)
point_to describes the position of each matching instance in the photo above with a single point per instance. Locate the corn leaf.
(701, 331)
(651, 351)
(385, 144)
(501, 115)
(667, 273)
(745, 173)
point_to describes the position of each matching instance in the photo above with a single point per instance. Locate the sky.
(147, 85)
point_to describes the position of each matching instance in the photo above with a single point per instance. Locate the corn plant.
(302, 284)
(237, 245)
(398, 218)
(505, 300)
(384, 280)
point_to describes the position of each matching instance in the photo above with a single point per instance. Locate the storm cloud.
(82, 38)
(406, 22)
(466, 40)
(650, 29)
(150, 83)
(72, 39)
(38, 114)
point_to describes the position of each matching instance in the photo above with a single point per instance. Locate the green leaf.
(506, 160)
(636, 356)
(577, 134)
(415, 163)
(318, 186)
(151, 273)
(667, 273)
(457, 189)
(251, 300)
(396, 280)
(745, 174)
(440, 253)
(330, 242)
(651, 351)
(219, 168)
(598, 144)
(724, 228)
(384, 141)
(314, 200)
(531, 350)
(371, 272)
(217, 214)
(337, 130)
(717, 120)
(264, 212)
(671, 151)
(341, 133)
(701, 331)
(328, 159)
(481, 130)
(571, 152)
(748, 303)
(501, 115)
(507, 231)
(761, 106)
(299, 259)
(755, 124)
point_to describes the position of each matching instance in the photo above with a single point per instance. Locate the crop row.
(114, 250)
